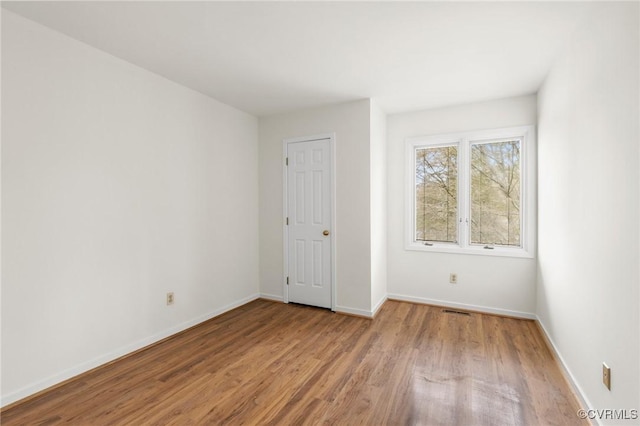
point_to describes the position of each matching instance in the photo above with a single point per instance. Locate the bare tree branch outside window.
(495, 193)
(436, 194)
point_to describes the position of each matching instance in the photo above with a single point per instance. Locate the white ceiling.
(271, 57)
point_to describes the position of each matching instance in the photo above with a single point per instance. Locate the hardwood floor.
(271, 363)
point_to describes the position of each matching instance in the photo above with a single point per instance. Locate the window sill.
(478, 251)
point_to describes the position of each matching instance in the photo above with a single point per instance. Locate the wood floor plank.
(277, 364)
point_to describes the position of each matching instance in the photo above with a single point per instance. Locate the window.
(472, 192)
(437, 193)
(495, 193)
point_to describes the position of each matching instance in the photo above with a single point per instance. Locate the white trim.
(272, 297)
(354, 311)
(285, 237)
(96, 362)
(378, 305)
(455, 249)
(568, 374)
(463, 140)
(285, 234)
(464, 306)
(122, 351)
(334, 223)
(362, 312)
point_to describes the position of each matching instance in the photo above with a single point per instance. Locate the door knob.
(325, 232)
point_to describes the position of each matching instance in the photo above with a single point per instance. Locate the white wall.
(378, 208)
(117, 187)
(350, 123)
(589, 206)
(501, 284)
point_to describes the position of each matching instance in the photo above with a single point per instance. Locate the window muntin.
(495, 206)
(495, 185)
(436, 194)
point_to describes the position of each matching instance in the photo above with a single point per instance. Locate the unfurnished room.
(304, 213)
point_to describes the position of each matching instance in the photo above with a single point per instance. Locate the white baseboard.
(341, 309)
(354, 311)
(584, 401)
(273, 297)
(96, 362)
(362, 312)
(463, 306)
(108, 357)
(378, 305)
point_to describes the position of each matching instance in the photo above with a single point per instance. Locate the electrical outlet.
(453, 278)
(169, 298)
(606, 375)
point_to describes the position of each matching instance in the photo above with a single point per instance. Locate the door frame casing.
(285, 229)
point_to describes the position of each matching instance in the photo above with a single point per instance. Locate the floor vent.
(451, 311)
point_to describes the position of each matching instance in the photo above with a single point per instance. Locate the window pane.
(436, 194)
(495, 193)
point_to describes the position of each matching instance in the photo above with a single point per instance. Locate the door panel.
(309, 214)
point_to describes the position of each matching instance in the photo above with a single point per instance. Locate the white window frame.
(527, 137)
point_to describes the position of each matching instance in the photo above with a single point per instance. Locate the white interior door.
(309, 230)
